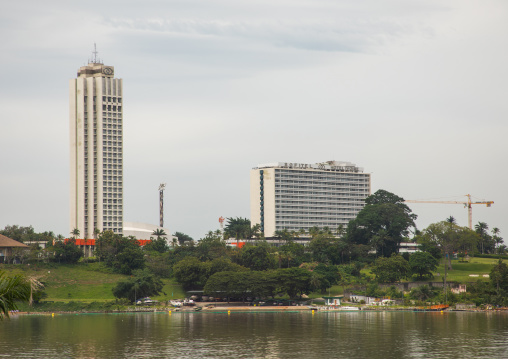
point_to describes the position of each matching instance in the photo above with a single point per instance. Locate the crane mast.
(468, 204)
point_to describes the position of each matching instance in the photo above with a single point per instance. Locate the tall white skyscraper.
(96, 150)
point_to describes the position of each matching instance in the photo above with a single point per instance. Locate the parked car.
(175, 303)
(147, 301)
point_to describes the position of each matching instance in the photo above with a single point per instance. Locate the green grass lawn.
(89, 283)
(84, 282)
(461, 271)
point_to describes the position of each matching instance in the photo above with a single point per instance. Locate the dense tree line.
(332, 256)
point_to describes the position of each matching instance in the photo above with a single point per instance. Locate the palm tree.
(12, 289)
(159, 232)
(481, 228)
(340, 231)
(327, 231)
(451, 220)
(495, 235)
(256, 231)
(314, 231)
(75, 233)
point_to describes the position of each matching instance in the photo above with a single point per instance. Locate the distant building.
(333, 300)
(96, 150)
(297, 196)
(8, 248)
(408, 247)
(144, 231)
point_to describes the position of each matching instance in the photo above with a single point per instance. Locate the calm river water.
(257, 335)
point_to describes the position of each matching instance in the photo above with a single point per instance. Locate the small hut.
(333, 300)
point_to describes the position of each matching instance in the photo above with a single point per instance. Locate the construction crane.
(466, 204)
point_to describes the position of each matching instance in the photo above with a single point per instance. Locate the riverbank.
(225, 308)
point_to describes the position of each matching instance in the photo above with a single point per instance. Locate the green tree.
(263, 284)
(238, 228)
(422, 293)
(428, 246)
(66, 251)
(449, 238)
(321, 247)
(258, 257)
(128, 259)
(422, 264)
(222, 265)
(191, 273)
(12, 289)
(329, 275)
(391, 269)
(75, 233)
(284, 235)
(451, 219)
(294, 254)
(19, 233)
(211, 247)
(159, 264)
(485, 244)
(158, 245)
(383, 223)
(496, 238)
(222, 284)
(294, 281)
(159, 233)
(142, 284)
(122, 254)
(256, 231)
(187, 249)
(499, 278)
(183, 238)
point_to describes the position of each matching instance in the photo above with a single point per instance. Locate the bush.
(143, 284)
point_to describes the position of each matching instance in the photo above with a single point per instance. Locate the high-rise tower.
(296, 196)
(96, 150)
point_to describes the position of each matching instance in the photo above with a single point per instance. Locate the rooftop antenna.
(94, 53)
(94, 59)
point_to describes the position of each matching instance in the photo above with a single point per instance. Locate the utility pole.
(162, 186)
(221, 221)
(445, 289)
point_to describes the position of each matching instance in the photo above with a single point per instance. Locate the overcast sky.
(415, 92)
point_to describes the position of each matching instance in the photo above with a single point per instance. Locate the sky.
(415, 92)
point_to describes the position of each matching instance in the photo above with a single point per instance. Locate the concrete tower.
(96, 150)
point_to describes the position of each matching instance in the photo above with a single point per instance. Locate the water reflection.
(257, 335)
